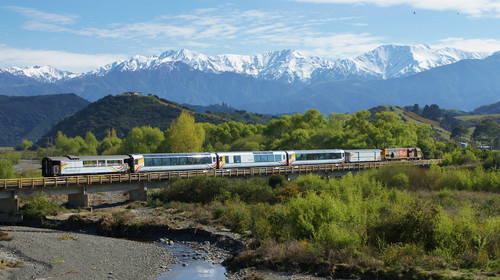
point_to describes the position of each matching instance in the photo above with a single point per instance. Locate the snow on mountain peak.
(46, 74)
(288, 66)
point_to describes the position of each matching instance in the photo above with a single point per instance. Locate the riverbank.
(50, 254)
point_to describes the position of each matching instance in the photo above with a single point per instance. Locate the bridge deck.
(44, 182)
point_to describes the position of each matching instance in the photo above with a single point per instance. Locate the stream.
(193, 263)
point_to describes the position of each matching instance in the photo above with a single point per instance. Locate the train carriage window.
(257, 158)
(89, 163)
(182, 160)
(114, 162)
(277, 158)
(237, 159)
(165, 161)
(174, 161)
(101, 163)
(148, 162)
(157, 161)
(190, 160)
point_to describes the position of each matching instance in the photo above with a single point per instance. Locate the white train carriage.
(363, 155)
(302, 157)
(173, 162)
(84, 165)
(251, 159)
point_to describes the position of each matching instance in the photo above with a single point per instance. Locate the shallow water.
(195, 269)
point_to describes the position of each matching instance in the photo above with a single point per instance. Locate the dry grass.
(5, 236)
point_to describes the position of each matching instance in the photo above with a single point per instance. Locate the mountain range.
(283, 81)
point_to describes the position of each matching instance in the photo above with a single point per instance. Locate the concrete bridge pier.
(9, 210)
(78, 200)
(140, 194)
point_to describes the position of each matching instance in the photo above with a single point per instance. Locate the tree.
(459, 133)
(134, 142)
(183, 136)
(6, 169)
(432, 112)
(488, 130)
(25, 145)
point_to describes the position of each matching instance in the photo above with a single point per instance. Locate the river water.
(192, 264)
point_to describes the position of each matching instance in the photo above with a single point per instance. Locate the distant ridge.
(31, 117)
(284, 81)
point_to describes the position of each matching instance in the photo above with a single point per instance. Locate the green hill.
(409, 116)
(123, 112)
(488, 109)
(31, 117)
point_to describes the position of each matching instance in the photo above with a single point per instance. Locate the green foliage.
(6, 169)
(77, 145)
(25, 145)
(365, 220)
(183, 136)
(196, 190)
(488, 131)
(37, 206)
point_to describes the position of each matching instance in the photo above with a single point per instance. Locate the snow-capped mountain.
(46, 74)
(394, 61)
(291, 66)
(286, 66)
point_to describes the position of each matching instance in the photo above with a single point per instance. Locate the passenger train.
(86, 165)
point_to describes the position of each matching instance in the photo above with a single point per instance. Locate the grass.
(4, 264)
(67, 237)
(477, 117)
(5, 236)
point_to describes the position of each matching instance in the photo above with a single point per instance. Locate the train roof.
(176, 155)
(250, 152)
(72, 157)
(315, 151)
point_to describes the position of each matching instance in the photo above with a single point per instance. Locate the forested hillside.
(123, 112)
(31, 117)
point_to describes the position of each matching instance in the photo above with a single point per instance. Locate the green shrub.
(251, 191)
(36, 206)
(6, 169)
(413, 223)
(195, 190)
(462, 240)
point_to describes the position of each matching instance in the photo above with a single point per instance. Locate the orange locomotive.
(402, 153)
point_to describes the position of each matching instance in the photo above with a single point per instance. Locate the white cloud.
(475, 8)
(73, 62)
(473, 45)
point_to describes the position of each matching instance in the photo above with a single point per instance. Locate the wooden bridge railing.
(164, 176)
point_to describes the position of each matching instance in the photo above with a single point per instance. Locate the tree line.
(311, 130)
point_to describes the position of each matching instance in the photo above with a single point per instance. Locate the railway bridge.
(77, 188)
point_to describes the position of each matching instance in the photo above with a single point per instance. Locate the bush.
(195, 190)
(6, 169)
(36, 207)
(251, 191)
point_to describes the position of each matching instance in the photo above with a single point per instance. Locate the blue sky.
(80, 36)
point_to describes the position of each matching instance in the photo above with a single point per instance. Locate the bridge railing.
(165, 176)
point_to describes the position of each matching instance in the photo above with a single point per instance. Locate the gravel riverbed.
(51, 254)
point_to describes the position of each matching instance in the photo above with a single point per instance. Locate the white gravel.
(50, 254)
